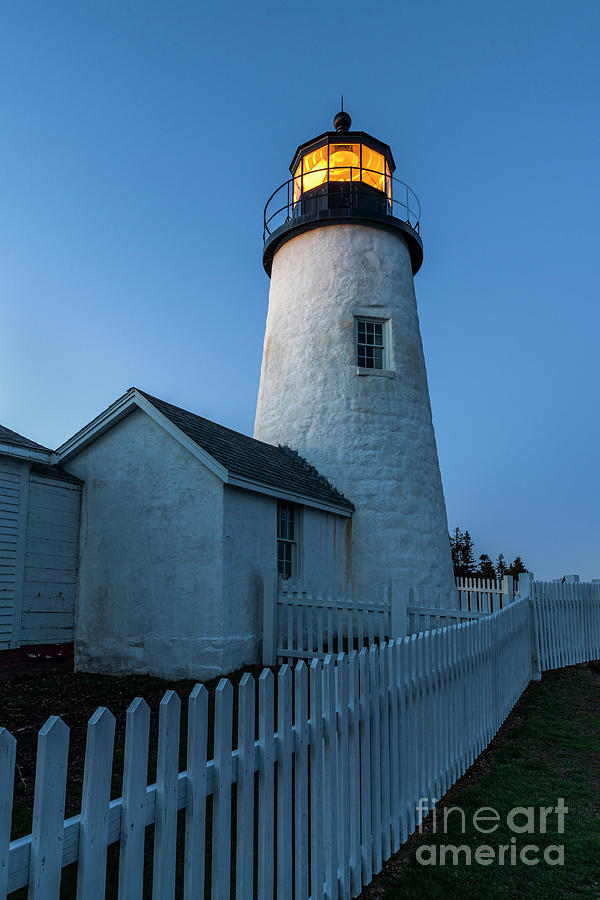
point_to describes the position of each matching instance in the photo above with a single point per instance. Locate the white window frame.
(386, 364)
(295, 542)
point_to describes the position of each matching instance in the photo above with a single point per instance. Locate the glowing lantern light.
(335, 160)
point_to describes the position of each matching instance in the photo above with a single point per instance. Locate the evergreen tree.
(516, 567)
(501, 567)
(486, 567)
(456, 543)
(468, 560)
(463, 561)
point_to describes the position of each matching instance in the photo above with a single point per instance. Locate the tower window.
(371, 340)
(287, 539)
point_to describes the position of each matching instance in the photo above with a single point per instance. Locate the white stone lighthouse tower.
(343, 377)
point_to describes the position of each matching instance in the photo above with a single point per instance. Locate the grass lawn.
(548, 748)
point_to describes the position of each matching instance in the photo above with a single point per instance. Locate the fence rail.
(344, 751)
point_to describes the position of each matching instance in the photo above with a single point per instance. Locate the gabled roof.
(250, 459)
(237, 459)
(15, 444)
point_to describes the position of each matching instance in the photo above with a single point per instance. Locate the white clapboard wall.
(39, 525)
(50, 560)
(13, 486)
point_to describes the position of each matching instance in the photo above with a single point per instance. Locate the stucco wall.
(151, 556)
(250, 547)
(371, 435)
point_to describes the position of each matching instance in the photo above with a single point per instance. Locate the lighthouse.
(343, 378)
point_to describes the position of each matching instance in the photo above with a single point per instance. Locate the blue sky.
(140, 142)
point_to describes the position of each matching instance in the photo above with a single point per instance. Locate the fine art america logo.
(521, 821)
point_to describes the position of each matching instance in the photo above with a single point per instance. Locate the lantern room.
(342, 158)
(342, 176)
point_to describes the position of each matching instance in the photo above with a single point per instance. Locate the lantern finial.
(342, 120)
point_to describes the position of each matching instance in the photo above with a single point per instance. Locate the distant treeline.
(466, 566)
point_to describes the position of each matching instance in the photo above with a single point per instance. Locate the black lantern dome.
(342, 176)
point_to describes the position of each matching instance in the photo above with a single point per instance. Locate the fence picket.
(354, 773)
(403, 759)
(374, 681)
(317, 874)
(365, 765)
(133, 820)
(411, 733)
(93, 828)
(244, 882)
(167, 770)
(344, 787)
(301, 805)
(266, 785)
(284, 782)
(221, 824)
(8, 755)
(330, 773)
(384, 730)
(45, 865)
(195, 814)
(394, 743)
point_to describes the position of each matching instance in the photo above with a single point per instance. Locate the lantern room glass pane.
(298, 182)
(339, 161)
(373, 168)
(314, 167)
(344, 162)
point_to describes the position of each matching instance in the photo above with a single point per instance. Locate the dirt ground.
(27, 701)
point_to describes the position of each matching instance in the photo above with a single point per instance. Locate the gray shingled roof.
(17, 440)
(245, 457)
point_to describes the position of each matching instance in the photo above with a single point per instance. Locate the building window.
(287, 539)
(371, 344)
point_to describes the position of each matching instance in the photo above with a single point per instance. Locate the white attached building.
(39, 527)
(180, 518)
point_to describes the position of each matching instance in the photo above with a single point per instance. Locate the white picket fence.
(485, 594)
(567, 623)
(345, 751)
(300, 623)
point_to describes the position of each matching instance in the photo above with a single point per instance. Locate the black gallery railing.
(343, 188)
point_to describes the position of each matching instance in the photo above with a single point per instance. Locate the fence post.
(270, 588)
(525, 585)
(398, 613)
(508, 590)
(526, 594)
